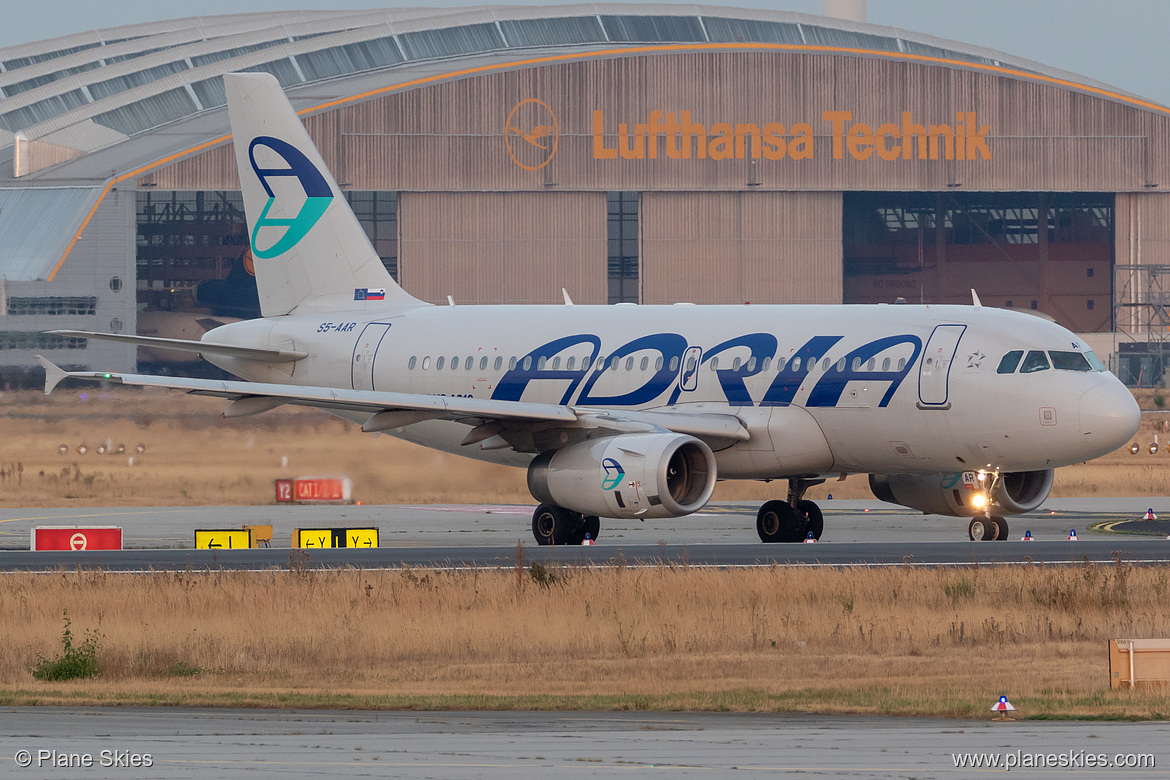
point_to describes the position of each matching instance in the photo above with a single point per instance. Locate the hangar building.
(650, 153)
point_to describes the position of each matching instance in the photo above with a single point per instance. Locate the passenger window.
(613, 362)
(714, 364)
(410, 365)
(658, 363)
(871, 365)
(886, 364)
(467, 363)
(512, 363)
(765, 363)
(572, 362)
(856, 365)
(439, 363)
(454, 364)
(629, 364)
(556, 363)
(674, 364)
(901, 363)
(825, 364)
(690, 364)
(426, 362)
(780, 363)
(540, 364)
(840, 365)
(527, 365)
(499, 363)
(795, 363)
(735, 364)
(483, 363)
(1010, 361)
(810, 365)
(645, 363)
(1069, 361)
(1035, 361)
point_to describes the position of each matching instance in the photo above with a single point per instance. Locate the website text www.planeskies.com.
(1068, 759)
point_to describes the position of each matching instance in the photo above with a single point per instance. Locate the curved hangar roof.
(82, 93)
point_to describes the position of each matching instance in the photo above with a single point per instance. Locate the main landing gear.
(552, 524)
(987, 529)
(792, 520)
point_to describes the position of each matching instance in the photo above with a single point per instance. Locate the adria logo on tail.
(318, 195)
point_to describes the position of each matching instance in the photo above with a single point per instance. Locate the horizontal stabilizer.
(53, 374)
(259, 354)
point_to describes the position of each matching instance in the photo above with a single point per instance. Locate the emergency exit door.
(934, 369)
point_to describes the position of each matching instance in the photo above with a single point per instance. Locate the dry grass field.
(896, 641)
(906, 641)
(194, 457)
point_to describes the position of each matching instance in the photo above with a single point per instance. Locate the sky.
(1119, 42)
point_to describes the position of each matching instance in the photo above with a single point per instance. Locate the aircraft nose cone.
(1109, 417)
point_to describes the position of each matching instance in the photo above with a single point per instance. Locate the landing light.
(979, 501)
(982, 475)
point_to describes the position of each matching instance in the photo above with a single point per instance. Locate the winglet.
(978, 304)
(53, 374)
(568, 300)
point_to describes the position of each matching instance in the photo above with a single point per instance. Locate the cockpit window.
(1095, 361)
(1070, 361)
(1035, 361)
(1010, 361)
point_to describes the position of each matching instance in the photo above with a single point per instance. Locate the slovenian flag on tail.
(369, 294)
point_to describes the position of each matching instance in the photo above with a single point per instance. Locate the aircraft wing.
(261, 354)
(524, 426)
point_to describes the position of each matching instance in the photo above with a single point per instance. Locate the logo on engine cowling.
(613, 474)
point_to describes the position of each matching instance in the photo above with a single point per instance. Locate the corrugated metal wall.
(503, 247)
(451, 136)
(736, 247)
(481, 221)
(1141, 237)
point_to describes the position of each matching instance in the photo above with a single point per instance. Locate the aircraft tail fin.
(308, 249)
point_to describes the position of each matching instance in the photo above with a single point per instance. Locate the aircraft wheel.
(593, 527)
(982, 529)
(552, 524)
(816, 520)
(777, 522)
(1001, 528)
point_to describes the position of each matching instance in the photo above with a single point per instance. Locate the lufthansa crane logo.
(531, 134)
(282, 234)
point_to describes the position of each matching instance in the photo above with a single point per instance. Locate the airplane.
(634, 411)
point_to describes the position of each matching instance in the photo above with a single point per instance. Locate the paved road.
(229, 744)
(856, 532)
(1138, 550)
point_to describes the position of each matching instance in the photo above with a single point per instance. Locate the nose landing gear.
(987, 529)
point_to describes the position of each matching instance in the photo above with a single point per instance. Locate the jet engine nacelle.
(632, 475)
(948, 494)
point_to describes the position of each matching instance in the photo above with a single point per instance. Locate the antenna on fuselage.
(978, 304)
(450, 300)
(568, 300)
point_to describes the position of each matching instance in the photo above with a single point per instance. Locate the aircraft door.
(688, 372)
(364, 353)
(934, 369)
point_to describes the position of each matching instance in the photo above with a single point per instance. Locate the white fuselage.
(821, 389)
